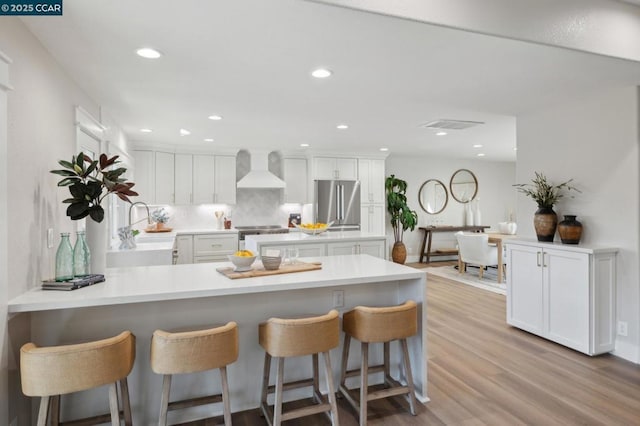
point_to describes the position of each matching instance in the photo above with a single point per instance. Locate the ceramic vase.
(399, 253)
(570, 230)
(545, 222)
(97, 240)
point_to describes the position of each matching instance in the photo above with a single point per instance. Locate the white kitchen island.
(143, 299)
(326, 244)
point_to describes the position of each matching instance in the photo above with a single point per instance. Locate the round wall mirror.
(433, 196)
(463, 186)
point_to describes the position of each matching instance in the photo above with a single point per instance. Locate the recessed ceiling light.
(515, 148)
(146, 130)
(384, 149)
(477, 145)
(304, 145)
(481, 155)
(208, 140)
(184, 132)
(321, 73)
(441, 134)
(342, 126)
(215, 117)
(148, 53)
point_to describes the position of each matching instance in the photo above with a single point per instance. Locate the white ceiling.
(249, 61)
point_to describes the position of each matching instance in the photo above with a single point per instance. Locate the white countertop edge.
(98, 294)
(301, 238)
(579, 248)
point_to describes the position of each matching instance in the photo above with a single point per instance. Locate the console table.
(428, 236)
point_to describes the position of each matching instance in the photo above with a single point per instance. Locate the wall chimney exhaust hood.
(259, 175)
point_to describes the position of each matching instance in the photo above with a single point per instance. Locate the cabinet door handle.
(538, 259)
(216, 245)
(544, 263)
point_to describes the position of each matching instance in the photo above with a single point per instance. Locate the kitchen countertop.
(302, 238)
(172, 282)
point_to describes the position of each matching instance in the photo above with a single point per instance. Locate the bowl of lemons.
(242, 260)
(314, 228)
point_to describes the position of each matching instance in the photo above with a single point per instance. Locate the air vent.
(451, 124)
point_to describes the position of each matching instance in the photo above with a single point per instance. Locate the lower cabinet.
(373, 248)
(204, 248)
(184, 244)
(214, 247)
(563, 293)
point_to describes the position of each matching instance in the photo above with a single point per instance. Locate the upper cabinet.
(371, 176)
(164, 178)
(183, 179)
(144, 176)
(225, 179)
(295, 176)
(335, 168)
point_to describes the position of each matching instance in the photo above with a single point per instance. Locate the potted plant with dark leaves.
(546, 196)
(402, 217)
(90, 182)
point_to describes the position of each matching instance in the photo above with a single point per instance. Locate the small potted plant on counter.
(160, 217)
(402, 217)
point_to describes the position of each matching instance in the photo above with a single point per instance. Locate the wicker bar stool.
(378, 325)
(192, 352)
(283, 338)
(49, 372)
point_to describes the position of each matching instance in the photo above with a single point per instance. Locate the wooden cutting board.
(259, 271)
(152, 230)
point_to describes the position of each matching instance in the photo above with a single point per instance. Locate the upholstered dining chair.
(474, 248)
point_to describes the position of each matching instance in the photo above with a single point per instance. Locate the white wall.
(496, 194)
(595, 142)
(41, 130)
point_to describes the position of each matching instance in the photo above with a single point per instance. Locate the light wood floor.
(483, 372)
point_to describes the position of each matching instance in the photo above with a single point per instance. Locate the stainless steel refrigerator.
(337, 201)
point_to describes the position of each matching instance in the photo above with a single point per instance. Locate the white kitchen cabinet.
(335, 168)
(183, 182)
(164, 177)
(184, 244)
(203, 179)
(563, 293)
(144, 176)
(372, 247)
(225, 179)
(295, 177)
(372, 218)
(214, 247)
(371, 175)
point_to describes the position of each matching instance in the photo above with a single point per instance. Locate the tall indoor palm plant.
(402, 217)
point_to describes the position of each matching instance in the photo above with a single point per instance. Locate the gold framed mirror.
(433, 196)
(463, 186)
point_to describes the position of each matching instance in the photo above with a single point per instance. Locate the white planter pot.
(97, 240)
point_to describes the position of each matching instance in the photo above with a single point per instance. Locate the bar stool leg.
(113, 404)
(345, 358)
(266, 372)
(225, 396)
(126, 402)
(316, 379)
(54, 410)
(330, 389)
(409, 374)
(364, 383)
(164, 399)
(44, 411)
(277, 408)
(387, 364)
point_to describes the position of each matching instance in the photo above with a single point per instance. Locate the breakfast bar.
(143, 299)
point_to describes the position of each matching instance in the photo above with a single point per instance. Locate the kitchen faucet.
(148, 214)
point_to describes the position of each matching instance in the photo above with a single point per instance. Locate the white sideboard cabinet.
(564, 293)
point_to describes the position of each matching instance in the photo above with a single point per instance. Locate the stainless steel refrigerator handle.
(338, 202)
(342, 203)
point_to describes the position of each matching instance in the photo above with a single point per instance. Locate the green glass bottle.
(64, 259)
(81, 256)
